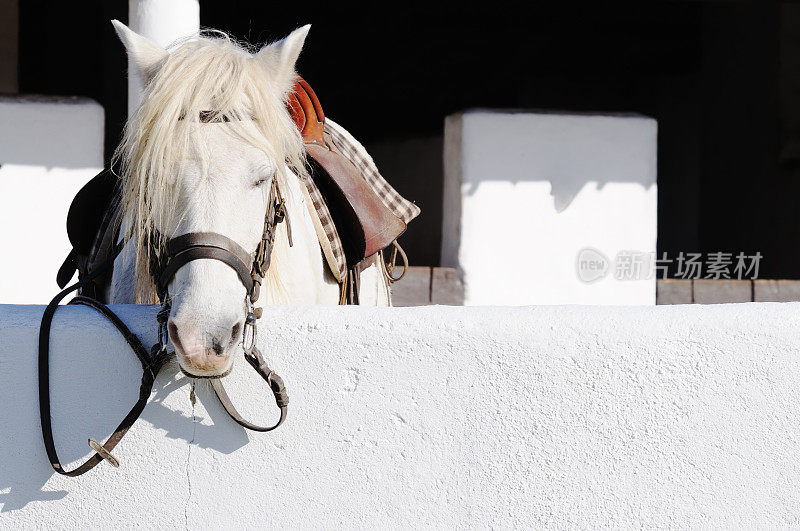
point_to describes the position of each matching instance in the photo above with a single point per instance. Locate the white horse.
(182, 175)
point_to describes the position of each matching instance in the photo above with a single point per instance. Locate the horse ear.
(282, 56)
(145, 54)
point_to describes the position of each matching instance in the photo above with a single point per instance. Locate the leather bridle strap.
(276, 385)
(150, 368)
(250, 268)
(197, 245)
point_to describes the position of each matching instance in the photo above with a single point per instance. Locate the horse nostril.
(235, 331)
(172, 329)
(216, 347)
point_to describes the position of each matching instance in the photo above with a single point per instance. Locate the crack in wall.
(188, 475)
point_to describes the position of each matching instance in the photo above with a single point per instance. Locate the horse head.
(201, 155)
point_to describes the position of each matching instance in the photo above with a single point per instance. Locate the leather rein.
(249, 267)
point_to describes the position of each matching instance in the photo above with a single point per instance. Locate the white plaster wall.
(602, 417)
(49, 148)
(525, 192)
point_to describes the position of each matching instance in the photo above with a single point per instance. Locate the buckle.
(102, 452)
(249, 333)
(280, 212)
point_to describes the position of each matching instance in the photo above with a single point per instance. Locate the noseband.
(249, 267)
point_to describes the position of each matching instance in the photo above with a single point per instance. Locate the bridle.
(251, 269)
(179, 251)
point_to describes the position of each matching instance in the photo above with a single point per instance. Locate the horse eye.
(259, 182)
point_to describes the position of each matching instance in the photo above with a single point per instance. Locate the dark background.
(720, 78)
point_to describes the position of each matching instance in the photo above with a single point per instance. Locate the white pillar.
(548, 208)
(163, 22)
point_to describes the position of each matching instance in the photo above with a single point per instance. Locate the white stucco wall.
(49, 148)
(525, 192)
(602, 417)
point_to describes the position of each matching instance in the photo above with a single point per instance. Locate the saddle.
(355, 212)
(365, 224)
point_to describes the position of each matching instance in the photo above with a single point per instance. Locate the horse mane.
(211, 72)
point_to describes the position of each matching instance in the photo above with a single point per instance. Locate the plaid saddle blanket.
(328, 235)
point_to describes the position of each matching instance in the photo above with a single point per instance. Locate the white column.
(163, 22)
(548, 208)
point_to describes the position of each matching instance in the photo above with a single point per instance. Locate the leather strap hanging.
(150, 368)
(256, 360)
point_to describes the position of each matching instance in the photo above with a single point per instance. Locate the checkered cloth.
(355, 152)
(326, 231)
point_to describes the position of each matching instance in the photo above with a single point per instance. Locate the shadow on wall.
(534, 188)
(81, 409)
(102, 409)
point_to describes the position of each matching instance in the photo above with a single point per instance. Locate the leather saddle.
(364, 223)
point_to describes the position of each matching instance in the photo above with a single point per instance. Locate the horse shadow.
(222, 434)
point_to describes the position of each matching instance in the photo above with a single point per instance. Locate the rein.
(181, 250)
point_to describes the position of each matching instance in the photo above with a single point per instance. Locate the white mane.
(211, 73)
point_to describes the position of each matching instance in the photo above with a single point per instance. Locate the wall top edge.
(553, 112)
(41, 98)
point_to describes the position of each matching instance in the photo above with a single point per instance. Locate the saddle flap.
(87, 211)
(364, 223)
